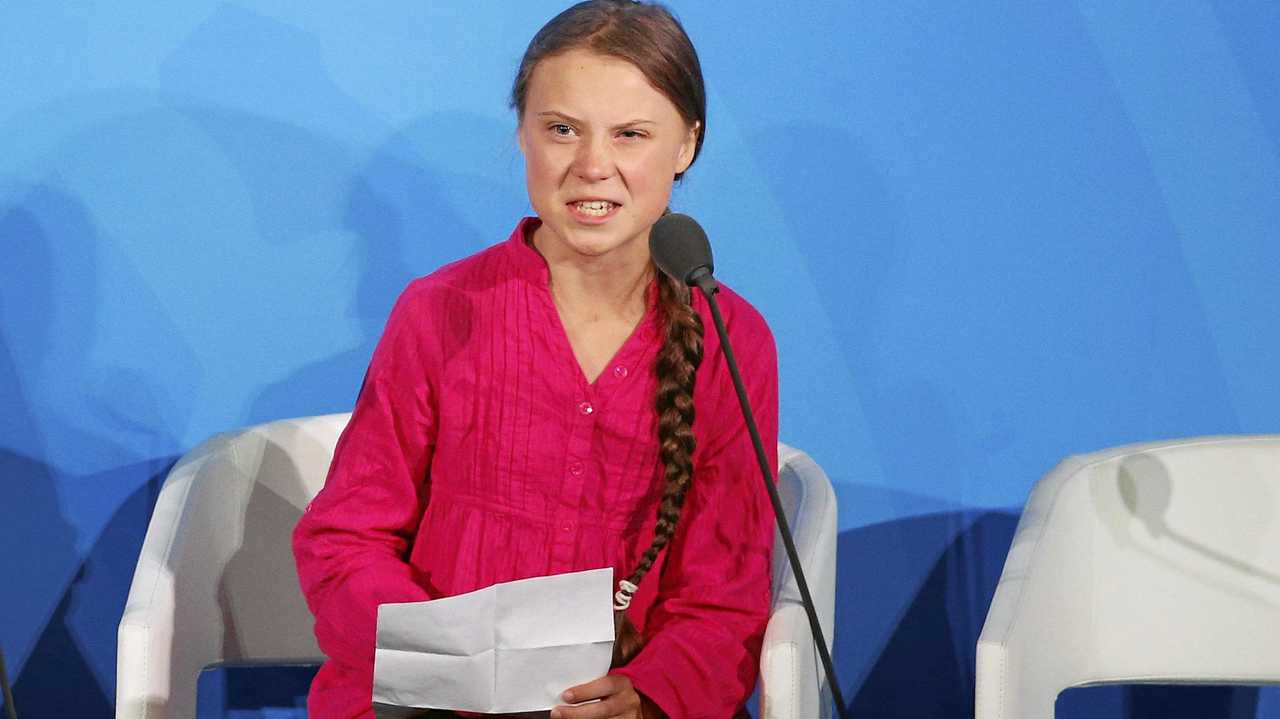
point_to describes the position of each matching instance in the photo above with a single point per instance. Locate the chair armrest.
(215, 580)
(1038, 627)
(144, 685)
(792, 680)
(787, 659)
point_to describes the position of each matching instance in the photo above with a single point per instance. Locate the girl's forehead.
(580, 81)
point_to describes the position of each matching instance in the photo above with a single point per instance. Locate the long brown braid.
(676, 368)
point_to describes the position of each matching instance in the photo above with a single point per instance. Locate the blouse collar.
(531, 264)
(533, 267)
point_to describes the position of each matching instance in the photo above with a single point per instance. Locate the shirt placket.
(575, 478)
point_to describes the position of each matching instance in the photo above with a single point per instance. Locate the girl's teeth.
(598, 209)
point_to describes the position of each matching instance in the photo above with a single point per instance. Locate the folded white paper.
(511, 647)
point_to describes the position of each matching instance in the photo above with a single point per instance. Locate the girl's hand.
(618, 700)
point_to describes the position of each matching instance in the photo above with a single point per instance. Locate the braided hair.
(676, 369)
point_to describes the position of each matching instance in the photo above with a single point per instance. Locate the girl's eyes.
(560, 129)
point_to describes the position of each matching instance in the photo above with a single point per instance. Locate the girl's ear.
(685, 157)
(520, 138)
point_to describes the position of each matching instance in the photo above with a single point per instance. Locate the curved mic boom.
(680, 248)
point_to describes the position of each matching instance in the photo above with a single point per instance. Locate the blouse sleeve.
(351, 543)
(707, 625)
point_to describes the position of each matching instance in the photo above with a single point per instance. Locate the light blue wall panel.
(986, 236)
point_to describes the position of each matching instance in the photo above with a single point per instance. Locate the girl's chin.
(595, 242)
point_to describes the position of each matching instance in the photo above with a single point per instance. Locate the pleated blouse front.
(478, 453)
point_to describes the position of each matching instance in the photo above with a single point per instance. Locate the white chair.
(215, 582)
(1151, 563)
(792, 682)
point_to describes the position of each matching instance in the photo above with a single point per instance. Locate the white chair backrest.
(277, 468)
(1184, 545)
(1175, 544)
(809, 504)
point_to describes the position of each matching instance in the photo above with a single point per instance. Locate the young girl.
(530, 410)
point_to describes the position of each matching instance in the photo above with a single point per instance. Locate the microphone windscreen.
(679, 247)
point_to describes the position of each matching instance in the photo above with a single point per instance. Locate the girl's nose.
(593, 160)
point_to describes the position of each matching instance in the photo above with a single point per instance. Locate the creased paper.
(511, 647)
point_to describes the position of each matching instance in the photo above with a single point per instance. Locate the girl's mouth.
(593, 211)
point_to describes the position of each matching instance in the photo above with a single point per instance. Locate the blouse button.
(567, 527)
(620, 372)
(586, 408)
(575, 468)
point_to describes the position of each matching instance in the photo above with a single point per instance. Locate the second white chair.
(1151, 563)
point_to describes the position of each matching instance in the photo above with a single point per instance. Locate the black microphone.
(681, 249)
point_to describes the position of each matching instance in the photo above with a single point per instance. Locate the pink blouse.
(478, 453)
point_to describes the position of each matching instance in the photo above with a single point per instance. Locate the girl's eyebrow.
(576, 121)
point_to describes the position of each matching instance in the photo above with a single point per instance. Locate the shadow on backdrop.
(74, 600)
(401, 210)
(330, 176)
(907, 626)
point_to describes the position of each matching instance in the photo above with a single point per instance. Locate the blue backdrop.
(985, 237)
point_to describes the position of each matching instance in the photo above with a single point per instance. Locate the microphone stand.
(702, 279)
(8, 693)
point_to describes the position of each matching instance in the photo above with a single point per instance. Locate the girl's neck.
(606, 286)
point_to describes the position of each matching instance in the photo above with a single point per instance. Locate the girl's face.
(601, 147)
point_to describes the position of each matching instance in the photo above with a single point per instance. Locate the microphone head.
(680, 248)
